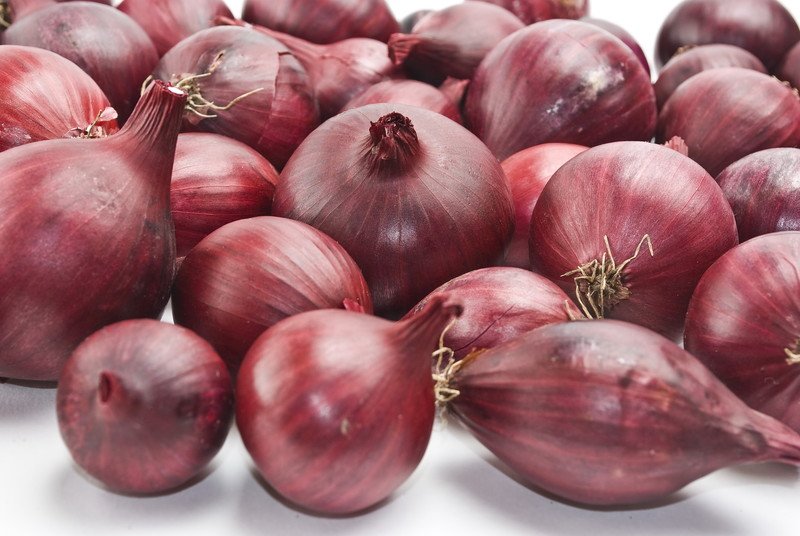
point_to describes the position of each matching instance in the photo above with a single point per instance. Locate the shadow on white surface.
(24, 401)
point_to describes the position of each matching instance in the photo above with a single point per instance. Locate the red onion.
(764, 191)
(244, 85)
(250, 274)
(560, 81)
(764, 27)
(623, 35)
(528, 172)
(408, 23)
(216, 180)
(325, 21)
(790, 68)
(408, 92)
(725, 114)
(101, 40)
(530, 11)
(168, 22)
(608, 413)
(143, 406)
(453, 41)
(500, 304)
(431, 201)
(46, 96)
(455, 90)
(691, 61)
(630, 228)
(336, 408)
(86, 235)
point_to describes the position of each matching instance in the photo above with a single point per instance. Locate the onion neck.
(421, 332)
(394, 145)
(18, 9)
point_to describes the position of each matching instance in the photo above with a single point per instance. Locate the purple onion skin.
(628, 190)
(745, 316)
(143, 406)
(728, 113)
(410, 92)
(637, 417)
(790, 68)
(764, 191)
(579, 85)
(764, 27)
(701, 58)
(623, 35)
(408, 23)
(530, 11)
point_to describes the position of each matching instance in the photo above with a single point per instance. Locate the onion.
(693, 60)
(725, 114)
(530, 11)
(455, 90)
(764, 191)
(431, 202)
(408, 92)
(46, 96)
(244, 85)
(143, 406)
(629, 228)
(560, 81)
(86, 236)
(528, 172)
(790, 68)
(168, 22)
(336, 408)
(324, 21)
(623, 35)
(408, 23)
(744, 323)
(101, 40)
(250, 274)
(216, 180)
(608, 413)
(453, 41)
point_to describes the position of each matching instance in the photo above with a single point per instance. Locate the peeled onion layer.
(410, 92)
(530, 11)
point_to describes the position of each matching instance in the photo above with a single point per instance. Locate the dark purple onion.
(623, 35)
(408, 92)
(530, 11)
(790, 68)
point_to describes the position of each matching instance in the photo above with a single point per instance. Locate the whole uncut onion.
(410, 92)
(530, 11)
(623, 35)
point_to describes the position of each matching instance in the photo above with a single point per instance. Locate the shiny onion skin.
(415, 198)
(728, 113)
(272, 121)
(638, 195)
(499, 304)
(453, 41)
(46, 97)
(324, 22)
(144, 406)
(530, 11)
(744, 323)
(789, 70)
(623, 35)
(410, 92)
(167, 22)
(764, 27)
(87, 236)
(101, 40)
(701, 58)
(250, 274)
(337, 408)
(579, 85)
(215, 181)
(764, 191)
(609, 413)
(528, 172)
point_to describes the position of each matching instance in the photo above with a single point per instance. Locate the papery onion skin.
(530, 11)
(144, 406)
(337, 408)
(764, 192)
(636, 417)
(764, 27)
(725, 114)
(623, 35)
(414, 204)
(789, 70)
(215, 181)
(578, 85)
(250, 274)
(626, 191)
(32, 110)
(409, 92)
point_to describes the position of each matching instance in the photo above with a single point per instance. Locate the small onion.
(790, 68)
(408, 92)
(623, 35)
(530, 11)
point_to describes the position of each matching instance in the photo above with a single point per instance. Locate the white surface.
(456, 490)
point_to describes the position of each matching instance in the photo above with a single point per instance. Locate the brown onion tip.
(394, 141)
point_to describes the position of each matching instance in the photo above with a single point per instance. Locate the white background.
(456, 490)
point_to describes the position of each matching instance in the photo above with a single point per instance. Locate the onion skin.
(764, 27)
(623, 35)
(637, 417)
(410, 92)
(728, 113)
(250, 274)
(580, 85)
(88, 224)
(337, 408)
(790, 68)
(32, 110)
(530, 11)
(629, 190)
(408, 23)
(144, 406)
(455, 90)
(407, 183)
(764, 191)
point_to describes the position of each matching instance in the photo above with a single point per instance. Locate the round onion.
(623, 35)
(790, 68)
(530, 11)
(408, 92)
